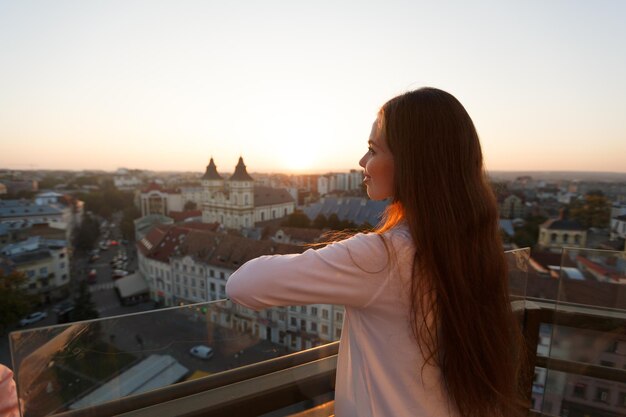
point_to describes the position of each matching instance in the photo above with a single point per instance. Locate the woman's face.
(378, 165)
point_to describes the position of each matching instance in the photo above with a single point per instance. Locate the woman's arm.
(350, 272)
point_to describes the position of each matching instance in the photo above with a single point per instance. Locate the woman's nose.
(363, 161)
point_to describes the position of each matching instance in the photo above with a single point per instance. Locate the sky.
(294, 86)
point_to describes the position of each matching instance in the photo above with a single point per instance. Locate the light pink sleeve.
(8, 394)
(350, 272)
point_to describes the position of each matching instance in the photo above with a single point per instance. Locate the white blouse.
(379, 368)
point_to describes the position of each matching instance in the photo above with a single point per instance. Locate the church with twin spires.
(237, 202)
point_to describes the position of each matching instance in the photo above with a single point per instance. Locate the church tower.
(213, 188)
(241, 196)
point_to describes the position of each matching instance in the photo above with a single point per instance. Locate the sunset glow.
(295, 87)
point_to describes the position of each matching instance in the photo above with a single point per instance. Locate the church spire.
(241, 174)
(211, 172)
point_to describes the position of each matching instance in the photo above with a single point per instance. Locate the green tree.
(84, 307)
(333, 222)
(15, 302)
(190, 205)
(86, 235)
(127, 224)
(50, 181)
(593, 211)
(107, 201)
(297, 219)
(527, 235)
(320, 222)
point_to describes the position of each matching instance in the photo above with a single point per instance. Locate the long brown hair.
(460, 309)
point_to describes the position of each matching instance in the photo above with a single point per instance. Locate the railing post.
(530, 330)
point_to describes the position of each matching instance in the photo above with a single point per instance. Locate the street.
(89, 354)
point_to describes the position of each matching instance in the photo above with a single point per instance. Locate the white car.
(201, 351)
(33, 318)
(119, 273)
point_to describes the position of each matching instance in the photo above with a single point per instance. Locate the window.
(193, 282)
(62, 265)
(303, 309)
(43, 271)
(201, 284)
(565, 238)
(313, 326)
(222, 275)
(339, 316)
(293, 321)
(314, 311)
(61, 255)
(212, 286)
(602, 395)
(211, 273)
(186, 293)
(553, 238)
(222, 291)
(324, 329)
(285, 212)
(194, 293)
(325, 314)
(579, 390)
(338, 333)
(293, 308)
(185, 268)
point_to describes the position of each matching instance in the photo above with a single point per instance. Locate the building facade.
(237, 202)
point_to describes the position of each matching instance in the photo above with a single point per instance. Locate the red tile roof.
(180, 216)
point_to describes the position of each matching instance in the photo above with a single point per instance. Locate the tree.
(297, 219)
(190, 205)
(333, 222)
(528, 235)
(84, 307)
(320, 222)
(127, 224)
(107, 201)
(15, 302)
(87, 233)
(593, 211)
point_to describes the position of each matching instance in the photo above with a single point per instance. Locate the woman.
(428, 329)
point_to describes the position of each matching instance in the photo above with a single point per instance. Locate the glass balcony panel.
(585, 371)
(86, 364)
(83, 364)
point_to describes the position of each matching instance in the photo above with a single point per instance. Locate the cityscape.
(85, 245)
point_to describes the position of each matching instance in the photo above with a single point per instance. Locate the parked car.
(33, 318)
(63, 306)
(93, 258)
(103, 246)
(92, 276)
(201, 351)
(119, 273)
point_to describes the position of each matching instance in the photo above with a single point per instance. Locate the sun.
(296, 159)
